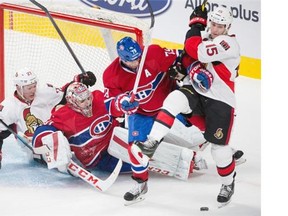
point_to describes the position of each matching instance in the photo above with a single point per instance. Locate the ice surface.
(28, 189)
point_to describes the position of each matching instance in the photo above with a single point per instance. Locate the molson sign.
(138, 8)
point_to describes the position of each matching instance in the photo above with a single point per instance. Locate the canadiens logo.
(219, 133)
(144, 93)
(135, 133)
(101, 126)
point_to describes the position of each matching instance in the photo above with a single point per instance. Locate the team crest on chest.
(101, 126)
(144, 93)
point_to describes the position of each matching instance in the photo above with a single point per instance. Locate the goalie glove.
(89, 79)
(200, 76)
(123, 104)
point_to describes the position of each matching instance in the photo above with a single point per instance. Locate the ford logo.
(137, 8)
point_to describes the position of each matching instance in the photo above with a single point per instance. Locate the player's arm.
(222, 47)
(118, 103)
(3, 135)
(89, 79)
(197, 23)
(178, 70)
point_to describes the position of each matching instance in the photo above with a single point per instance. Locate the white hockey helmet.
(79, 98)
(24, 77)
(223, 16)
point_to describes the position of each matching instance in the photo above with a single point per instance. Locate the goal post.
(28, 39)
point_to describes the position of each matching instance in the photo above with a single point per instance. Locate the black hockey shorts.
(219, 116)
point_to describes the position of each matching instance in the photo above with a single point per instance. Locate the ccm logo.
(83, 174)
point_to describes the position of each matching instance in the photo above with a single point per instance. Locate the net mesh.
(32, 41)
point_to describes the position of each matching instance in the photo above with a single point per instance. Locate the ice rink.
(28, 189)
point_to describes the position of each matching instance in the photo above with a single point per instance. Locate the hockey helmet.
(223, 16)
(128, 49)
(79, 98)
(24, 77)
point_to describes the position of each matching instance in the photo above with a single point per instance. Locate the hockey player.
(209, 90)
(84, 126)
(154, 85)
(87, 126)
(31, 105)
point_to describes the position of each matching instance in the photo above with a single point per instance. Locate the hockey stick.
(60, 34)
(204, 4)
(148, 41)
(40, 150)
(74, 168)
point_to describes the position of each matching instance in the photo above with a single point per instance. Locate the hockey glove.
(124, 105)
(199, 17)
(177, 72)
(89, 79)
(200, 76)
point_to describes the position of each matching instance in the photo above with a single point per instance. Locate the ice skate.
(148, 147)
(226, 192)
(137, 193)
(238, 157)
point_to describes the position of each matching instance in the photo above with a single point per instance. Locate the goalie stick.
(146, 44)
(74, 168)
(60, 34)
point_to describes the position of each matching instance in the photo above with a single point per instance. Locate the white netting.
(97, 14)
(32, 41)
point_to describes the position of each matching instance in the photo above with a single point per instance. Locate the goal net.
(28, 39)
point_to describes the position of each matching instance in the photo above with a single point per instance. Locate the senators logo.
(101, 126)
(31, 121)
(219, 134)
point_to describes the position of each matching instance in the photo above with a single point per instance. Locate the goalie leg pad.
(172, 160)
(59, 154)
(168, 158)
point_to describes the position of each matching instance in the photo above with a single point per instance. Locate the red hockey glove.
(123, 104)
(200, 76)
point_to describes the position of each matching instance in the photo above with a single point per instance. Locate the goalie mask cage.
(28, 39)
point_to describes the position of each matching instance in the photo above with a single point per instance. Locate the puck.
(204, 209)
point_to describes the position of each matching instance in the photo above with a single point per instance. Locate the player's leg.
(138, 128)
(219, 123)
(3, 135)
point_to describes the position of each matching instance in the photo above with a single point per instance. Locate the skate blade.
(221, 205)
(139, 199)
(240, 161)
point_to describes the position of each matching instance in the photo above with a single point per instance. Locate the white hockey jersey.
(222, 58)
(27, 117)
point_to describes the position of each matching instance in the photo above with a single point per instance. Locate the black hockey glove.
(177, 72)
(199, 17)
(89, 79)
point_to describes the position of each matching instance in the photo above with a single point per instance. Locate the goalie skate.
(137, 193)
